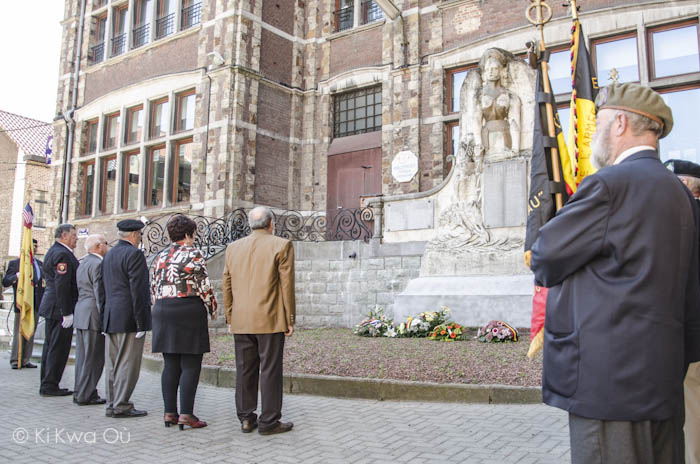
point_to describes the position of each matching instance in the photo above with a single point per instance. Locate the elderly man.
(57, 305)
(258, 288)
(689, 173)
(10, 278)
(623, 319)
(127, 317)
(87, 320)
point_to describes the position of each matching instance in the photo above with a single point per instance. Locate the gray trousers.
(615, 442)
(123, 353)
(27, 345)
(89, 363)
(692, 414)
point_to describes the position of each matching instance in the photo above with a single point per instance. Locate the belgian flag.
(25, 283)
(582, 113)
(541, 204)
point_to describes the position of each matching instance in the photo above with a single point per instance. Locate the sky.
(30, 48)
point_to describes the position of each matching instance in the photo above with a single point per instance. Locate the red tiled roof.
(30, 135)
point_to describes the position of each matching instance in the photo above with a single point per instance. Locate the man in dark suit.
(90, 343)
(260, 306)
(127, 317)
(623, 319)
(57, 305)
(10, 278)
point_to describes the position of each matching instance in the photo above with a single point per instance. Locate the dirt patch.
(340, 352)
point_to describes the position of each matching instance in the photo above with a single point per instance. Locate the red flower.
(442, 332)
(453, 335)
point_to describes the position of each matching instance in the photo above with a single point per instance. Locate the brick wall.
(8, 160)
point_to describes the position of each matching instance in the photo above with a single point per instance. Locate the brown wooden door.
(351, 175)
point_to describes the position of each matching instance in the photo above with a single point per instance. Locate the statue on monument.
(491, 131)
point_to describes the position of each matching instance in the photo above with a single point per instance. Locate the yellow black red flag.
(25, 282)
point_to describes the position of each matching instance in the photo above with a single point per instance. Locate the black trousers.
(259, 357)
(180, 370)
(54, 355)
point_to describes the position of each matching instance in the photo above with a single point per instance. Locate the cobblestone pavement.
(326, 430)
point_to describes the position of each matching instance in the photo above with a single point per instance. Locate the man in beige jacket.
(260, 307)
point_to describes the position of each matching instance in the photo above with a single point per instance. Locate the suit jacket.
(623, 309)
(61, 293)
(127, 305)
(91, 299)
(10, 278)
(258, 284)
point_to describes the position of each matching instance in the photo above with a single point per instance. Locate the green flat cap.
(636, 99)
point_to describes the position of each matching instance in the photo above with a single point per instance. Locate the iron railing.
(214, 234)
(191, 16)
(344, 18)
(97, 53)
(165, 26)
(140, 35)
(118, 45)
(370, 12)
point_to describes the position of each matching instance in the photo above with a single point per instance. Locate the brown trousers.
(692, 414)
(259, 357)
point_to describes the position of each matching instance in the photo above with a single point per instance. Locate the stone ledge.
(376, 389)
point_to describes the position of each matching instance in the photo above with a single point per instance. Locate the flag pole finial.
(574, 9)
(543, 14)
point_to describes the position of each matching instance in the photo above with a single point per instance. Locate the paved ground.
(327, 430)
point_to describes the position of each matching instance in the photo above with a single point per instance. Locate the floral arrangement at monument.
(376, 325)
(423, 324)
(447, 332)
(496, 332)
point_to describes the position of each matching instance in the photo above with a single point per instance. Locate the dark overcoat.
(623, 309)
(61, 293)
(10, 278)
(126, 290)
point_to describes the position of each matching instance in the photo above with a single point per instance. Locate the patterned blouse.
(179, 272)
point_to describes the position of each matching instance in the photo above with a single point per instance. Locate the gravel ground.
(340, 352)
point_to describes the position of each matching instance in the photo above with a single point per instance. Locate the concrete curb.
(375, 389)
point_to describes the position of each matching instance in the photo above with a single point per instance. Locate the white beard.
(600, 146)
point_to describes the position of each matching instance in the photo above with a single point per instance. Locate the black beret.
(683, 168)
(34, 241)
(130, 225)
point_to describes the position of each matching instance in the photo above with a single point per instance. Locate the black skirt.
(180, 326)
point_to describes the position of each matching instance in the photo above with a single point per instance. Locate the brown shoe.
(279, 428)
(248, 426)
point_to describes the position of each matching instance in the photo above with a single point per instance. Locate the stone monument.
(473, 262)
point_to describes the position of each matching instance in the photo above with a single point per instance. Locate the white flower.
(390, 332)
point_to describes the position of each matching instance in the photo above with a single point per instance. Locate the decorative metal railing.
(97, 53)
(214, 234)
(140, 35)
(165, 26)
(118, 45)
(191, 16)
(344, 18)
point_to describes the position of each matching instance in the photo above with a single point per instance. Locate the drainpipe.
(69, 118)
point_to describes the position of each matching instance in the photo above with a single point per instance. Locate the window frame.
(127, 133)
(105, 135)
(450, 76)
(152, 118)
(88, 125)
(83, 195)
(649, 43)
(449, 129)
(176, 166)
(178, 108)
(377, 90)
(126, 157)
(104, 160)
(593, 51)
(149, 175)
(40, 216)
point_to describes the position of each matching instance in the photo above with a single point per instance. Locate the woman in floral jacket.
(183, 297)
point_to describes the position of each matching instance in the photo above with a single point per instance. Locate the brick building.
(24, 179)
(206, 106)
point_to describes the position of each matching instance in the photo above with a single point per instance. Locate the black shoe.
(29, 365)
(97, 400)
(248, 426)
(109, 412)
(13, 365)
(129, 413)
(60, 392)
(279, 428)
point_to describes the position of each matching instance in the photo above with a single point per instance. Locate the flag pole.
(544, 15)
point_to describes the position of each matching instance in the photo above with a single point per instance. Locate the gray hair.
(124, 234)
(640, 124)
(63, 229)
(260, 217)
(693, 184)
(93, 241)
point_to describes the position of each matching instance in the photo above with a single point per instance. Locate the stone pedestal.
(473, 300)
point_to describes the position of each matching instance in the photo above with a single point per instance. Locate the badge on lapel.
(62, 268)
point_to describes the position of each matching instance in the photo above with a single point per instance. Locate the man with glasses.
(87, 320)
(127, 317)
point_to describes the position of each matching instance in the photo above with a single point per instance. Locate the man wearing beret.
(621, 261)
(126, 318)
(57, 305)
(11, 277)
(689, 173)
